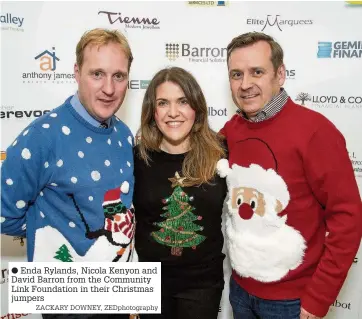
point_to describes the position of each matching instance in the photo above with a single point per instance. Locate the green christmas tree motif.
(63, 254)
(178, 230)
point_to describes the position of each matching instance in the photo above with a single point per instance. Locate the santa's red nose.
(245, 211)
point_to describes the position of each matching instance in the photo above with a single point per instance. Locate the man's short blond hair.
(100, 37)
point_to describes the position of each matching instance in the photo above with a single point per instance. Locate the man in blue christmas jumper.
(67, 181)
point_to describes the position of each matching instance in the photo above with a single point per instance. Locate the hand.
(304, 314)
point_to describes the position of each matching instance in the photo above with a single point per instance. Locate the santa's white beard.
(263, 247)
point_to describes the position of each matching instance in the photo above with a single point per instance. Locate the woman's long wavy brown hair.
(206, 146)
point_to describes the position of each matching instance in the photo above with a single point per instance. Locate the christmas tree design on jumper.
(63, 254)
(178, 230)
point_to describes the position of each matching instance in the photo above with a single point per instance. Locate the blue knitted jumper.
(67, 186)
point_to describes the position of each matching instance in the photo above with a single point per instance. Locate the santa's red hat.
(253, 165)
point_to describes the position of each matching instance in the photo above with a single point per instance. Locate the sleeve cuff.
(313, 306)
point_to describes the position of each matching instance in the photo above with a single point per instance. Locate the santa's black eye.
(253, 203)
(239, 200)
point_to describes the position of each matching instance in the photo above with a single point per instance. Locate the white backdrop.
(323, 54)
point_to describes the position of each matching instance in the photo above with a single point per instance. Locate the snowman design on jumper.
(260, 243)
(119, 224)
(113, 241)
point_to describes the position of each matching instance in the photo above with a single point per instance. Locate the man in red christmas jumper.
(292, 162)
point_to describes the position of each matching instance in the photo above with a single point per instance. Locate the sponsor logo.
(353, 2)
(138, 84)
(303, 97)
(324, 49)
(330, 101)
(208, 3)
(276, 21)
(11, 22)
(195, 54)
(131, 22)
(4, 275)
(290, 74)
(339, 304)
(339, 49)
(47, 62)
(216, 112)
(357, 167)
(9, 112)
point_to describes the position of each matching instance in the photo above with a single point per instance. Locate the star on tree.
(179, 179)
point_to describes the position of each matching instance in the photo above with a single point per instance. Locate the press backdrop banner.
(323, 55)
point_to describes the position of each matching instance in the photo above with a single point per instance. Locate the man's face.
(253, 81)
(102, 80)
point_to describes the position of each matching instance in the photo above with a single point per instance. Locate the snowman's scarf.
(124, 224)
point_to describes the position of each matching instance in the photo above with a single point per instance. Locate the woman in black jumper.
(178, 198)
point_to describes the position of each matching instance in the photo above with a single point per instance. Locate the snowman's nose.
(245, 211)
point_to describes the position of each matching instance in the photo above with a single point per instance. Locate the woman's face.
(174, 117)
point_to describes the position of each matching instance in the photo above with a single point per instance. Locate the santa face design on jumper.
(260, 243)
(256, 210)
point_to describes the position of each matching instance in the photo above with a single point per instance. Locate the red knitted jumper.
(309, 154)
